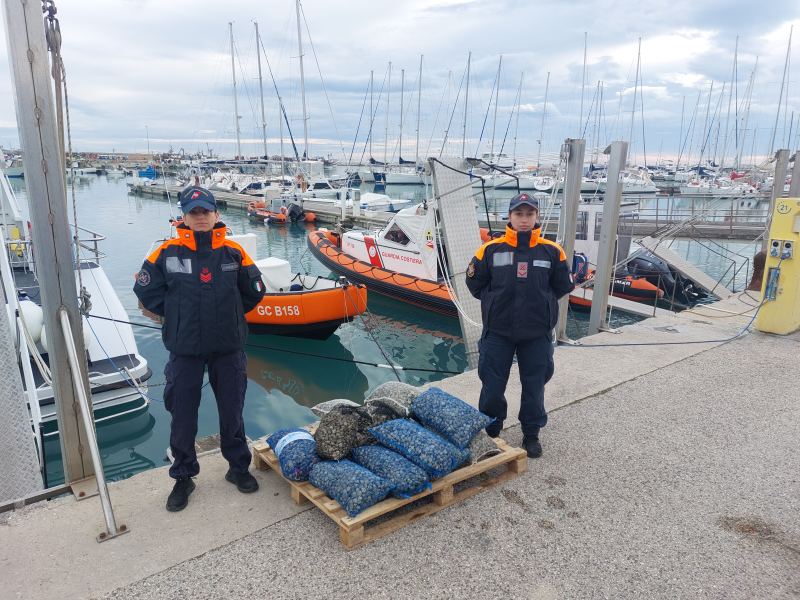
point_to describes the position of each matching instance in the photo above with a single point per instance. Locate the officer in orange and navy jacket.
(519, 279)
(203, 285)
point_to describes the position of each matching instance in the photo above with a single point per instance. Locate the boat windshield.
(397, 235)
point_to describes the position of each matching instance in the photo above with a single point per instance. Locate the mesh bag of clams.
(481, 446)
(351, 485)
(422, 447)
(337, 433)
(296, 452)
(325, 407)
(408, 478)
(396, 394)
(452, 418)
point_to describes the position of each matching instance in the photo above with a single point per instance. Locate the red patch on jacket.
(205, 275)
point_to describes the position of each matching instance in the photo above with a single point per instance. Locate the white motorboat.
(117, 372)
(382, 203)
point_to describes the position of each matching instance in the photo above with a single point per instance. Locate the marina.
(426, 333)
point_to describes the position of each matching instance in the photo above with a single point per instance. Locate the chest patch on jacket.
(522, 269)
(230, 267)
(502, 259)
(179, 265)
(545, 264)
(205, 275)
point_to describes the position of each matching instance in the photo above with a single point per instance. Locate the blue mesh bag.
(296, 451)
(408, 477)
(452, 418)
(422, 447)
(351, 485)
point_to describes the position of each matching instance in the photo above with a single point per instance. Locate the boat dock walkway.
(685, 268)
(330, 215)
(668, 471)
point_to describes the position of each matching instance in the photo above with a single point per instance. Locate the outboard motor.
(660, 274)
(294, 213)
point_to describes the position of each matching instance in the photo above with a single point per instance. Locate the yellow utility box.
(780, 311)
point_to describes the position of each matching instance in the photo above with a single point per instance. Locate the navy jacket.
(519, 278)
(203, 285)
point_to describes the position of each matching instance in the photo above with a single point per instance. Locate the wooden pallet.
(351, 530)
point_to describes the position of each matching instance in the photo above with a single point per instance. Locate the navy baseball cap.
(523, 199)
(194, 196)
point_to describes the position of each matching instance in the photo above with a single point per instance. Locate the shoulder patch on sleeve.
(143, 278)
(471, 270)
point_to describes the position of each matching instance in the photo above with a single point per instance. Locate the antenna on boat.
(402, 90)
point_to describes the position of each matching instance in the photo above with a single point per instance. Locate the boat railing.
(94, 239)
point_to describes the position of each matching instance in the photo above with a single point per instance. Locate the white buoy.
(88, 337)
(34, 317)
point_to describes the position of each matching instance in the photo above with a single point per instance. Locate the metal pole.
(44, 180)
(261, 88)
(608, 238)
(778, 181)
(544, 111)
(88, 423)
(302, 79)
(794, 187)
(235, 100)
(419, 104)
(466, 105)
(568, 220)
(497, 93)
(402, 91)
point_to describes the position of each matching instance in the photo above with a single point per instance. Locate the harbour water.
(282, 386)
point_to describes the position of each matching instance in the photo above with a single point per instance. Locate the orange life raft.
(258, 210)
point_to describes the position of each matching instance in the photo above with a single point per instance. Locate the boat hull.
(425, 293)
(313, 314)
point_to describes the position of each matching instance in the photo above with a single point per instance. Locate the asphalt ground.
(681, 483)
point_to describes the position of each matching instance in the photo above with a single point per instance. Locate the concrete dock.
(668, 471)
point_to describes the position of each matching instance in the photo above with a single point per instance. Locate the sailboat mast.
(386, 132)
(728, 117)
(635, 90)
(680, 133)
(261, 89)
(402, 91)
(516, 126)
(371, 112)
(466, 105)
(280, 120)
(705, 124)
(235, 101)
(596, 126)
(583, 82)
(497, 93)
(780, 97)
(544, 112)
(419, 104)
(302, 79)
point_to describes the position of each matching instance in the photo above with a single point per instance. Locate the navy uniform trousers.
(228, 377)
(536, 367)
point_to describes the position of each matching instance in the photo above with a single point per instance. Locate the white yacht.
(117, 372)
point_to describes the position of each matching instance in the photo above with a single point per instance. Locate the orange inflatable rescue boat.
(292, 213)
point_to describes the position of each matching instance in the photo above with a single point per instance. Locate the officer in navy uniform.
(203, 285)
(519, 279)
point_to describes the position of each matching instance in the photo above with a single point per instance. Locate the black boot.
(532, 445)
(179, 498)
(245, 482)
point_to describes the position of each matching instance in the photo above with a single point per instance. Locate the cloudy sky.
(141, 67)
